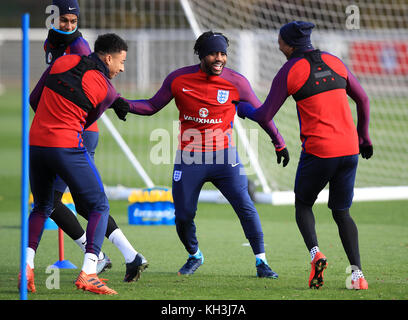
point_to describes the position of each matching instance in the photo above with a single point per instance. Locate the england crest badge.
(49, 57)
(222, 96)
(177, 175)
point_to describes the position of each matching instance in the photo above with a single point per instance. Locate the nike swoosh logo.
(234, 164)
(185, 90)
(69, 8)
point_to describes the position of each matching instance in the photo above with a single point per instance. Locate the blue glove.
(244, 109)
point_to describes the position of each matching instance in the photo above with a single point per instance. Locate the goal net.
(370, 37)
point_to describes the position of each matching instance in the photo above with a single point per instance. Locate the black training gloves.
(366, 151)
(121, 108)
(284, 153)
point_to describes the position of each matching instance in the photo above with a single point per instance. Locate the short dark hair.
(110, 43)
(201, 39)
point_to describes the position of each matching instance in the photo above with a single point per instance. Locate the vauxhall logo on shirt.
(203, 114)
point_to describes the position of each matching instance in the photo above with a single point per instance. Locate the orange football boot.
(360, 284)
(91, 282)
(30, 279)
(319, 263)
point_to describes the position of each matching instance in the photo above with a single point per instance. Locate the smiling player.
(71, 94)
(206, 153)
(67, 39)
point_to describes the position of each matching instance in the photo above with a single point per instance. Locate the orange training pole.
(61, 263)
(61, 244)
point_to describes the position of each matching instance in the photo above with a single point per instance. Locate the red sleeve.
(357, 93)
(297, 76)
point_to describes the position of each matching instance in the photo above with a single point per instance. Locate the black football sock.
(112, 226)
(65, 219)
(349, 235)
(306, 224)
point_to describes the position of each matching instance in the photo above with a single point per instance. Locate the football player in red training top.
(320, 82)
(203, 94)
(68, 40)
(72, 93)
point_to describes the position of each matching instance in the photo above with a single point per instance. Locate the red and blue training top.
(206, 113)
(60, 122)
(325, 119)
(54, 49)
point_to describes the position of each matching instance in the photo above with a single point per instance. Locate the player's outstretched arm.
(245, 109)
(154, 104)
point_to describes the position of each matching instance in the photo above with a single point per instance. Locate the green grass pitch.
(229, 269)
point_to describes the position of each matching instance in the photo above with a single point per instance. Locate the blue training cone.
(64, 264)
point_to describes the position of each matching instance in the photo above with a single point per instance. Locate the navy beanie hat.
(67, 6)
(297, 34)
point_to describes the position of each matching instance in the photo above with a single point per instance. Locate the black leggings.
(347, 230)
(69, 223)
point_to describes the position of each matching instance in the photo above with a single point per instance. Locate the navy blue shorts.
(314, 173)
(90, 139)
(224, 170)
(77, 168)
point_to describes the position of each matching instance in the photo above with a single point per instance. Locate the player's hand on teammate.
(282, 154)
(366, 151)
(121, 108)
(236, 103)
(244, 109)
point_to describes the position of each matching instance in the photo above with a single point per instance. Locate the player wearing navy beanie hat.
(297, 34)
(65, 38)
(67, 6)
(62, 35)
(321, 85)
